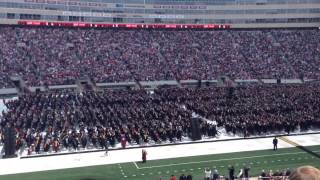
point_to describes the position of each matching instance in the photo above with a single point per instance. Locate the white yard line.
(218, 160)
(136, 165)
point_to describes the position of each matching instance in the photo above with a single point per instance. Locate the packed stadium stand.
(94, 45)
(56, 56)
(76, 120)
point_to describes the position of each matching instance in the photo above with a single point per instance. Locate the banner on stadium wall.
(98, 14)
(69, 3)
(88, 14)
(167, 16)
(142, 26)
(191, 7)
(116, 5)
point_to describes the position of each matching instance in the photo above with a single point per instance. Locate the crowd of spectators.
(253, 110)
(243, 174)
(55, 56)
(74, 120)
(97, 119)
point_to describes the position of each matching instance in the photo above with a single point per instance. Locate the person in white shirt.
(240, 175)
(207, 173)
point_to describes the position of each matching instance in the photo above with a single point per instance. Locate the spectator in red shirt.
(173, 177)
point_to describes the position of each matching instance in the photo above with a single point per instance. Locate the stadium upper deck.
(237, 13)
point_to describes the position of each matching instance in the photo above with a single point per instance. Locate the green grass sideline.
(257, 160)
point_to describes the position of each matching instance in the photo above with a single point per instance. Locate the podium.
(9, 142)
(195, 129)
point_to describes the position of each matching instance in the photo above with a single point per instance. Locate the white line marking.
(136, 165)
(121, 170)
(218, 160)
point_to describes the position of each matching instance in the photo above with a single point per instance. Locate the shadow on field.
(305, 149)
(309, 151)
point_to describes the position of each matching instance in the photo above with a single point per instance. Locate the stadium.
(159, 89)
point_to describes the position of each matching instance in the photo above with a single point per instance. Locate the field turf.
(152, 170)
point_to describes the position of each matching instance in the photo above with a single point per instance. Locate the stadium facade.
(236, 13)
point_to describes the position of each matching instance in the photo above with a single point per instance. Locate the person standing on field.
(275, 144)
(144, 156)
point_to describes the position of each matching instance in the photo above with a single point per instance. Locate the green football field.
(257, 160)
